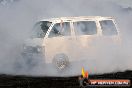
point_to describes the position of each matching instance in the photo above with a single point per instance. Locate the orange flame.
(84, 74)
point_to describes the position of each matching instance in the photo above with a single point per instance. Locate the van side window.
(108, 28)
(60, 29)
(85, 28)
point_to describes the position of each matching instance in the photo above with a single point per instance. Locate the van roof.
(77, 18)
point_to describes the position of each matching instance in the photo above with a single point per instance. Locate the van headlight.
(33, 49)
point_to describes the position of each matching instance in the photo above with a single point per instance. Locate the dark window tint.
(40, 29)
(60, 29)
(85, 27)
(108, 27)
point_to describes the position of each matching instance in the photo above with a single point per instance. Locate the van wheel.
(61, 61)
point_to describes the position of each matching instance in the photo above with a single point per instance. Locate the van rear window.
(108, 27)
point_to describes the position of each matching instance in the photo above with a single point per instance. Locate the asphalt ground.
(10, 81)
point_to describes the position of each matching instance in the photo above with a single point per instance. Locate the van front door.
(59, 41)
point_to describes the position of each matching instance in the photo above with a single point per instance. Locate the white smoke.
(17, 19)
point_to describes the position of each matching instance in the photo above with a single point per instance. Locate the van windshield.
(40, 29)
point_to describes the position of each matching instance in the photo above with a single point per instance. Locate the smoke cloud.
(17, 18)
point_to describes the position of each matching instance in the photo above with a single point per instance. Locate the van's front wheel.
(61, 61)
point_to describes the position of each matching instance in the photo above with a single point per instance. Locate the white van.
(64, 43)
